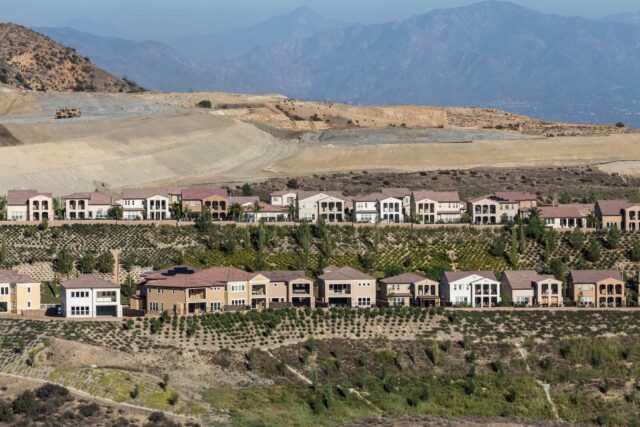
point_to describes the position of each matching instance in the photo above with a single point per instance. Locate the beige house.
(346, 287)
(187, 290)
(86, 205)
(409, 289)
(18, 293)
(29, 205)
(283, 198)
(619, 214)
(266, 213)
(597, 288)
(378, 207)
(431, 207)
(631, 217)
(528, 288)
(290, 288)
(493, 208)
(331, 205)
(197, 200)
(567, 216)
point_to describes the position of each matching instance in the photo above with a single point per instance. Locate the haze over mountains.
(492, 54)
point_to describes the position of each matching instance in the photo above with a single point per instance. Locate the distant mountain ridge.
(626, 18)
(32, 61)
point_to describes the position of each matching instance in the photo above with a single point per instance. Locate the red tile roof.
(94, 198)
(453, 276)
(21, 197)
(344, 273)
(566, 211)
(12, 276)
(202, 193)
(515, 196)
(524, 279)
(438, 196)
(593, 276)
(184, 277)
(284, 276)
(612, 207)
(406, 278)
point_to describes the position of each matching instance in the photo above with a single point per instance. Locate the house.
(29, 205)
(567, 216)
(492, 209)
(527, 288)
(151, 204)
(283, 198)
(597, 288)
(400, 193)
(431, 207)
(346, 287)
(409, 289)
(378, 207)
(293, 288)
(196, 200)
(86, 205)
(618, 214)
(311, 205)
(90, 296)
(187, 290)
(266, 212)
(18, 292)
(470, 288)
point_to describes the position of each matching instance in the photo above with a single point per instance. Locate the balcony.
(301, 291)
(106, 299)
(258, 292)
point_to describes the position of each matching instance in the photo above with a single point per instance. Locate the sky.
(166, 18)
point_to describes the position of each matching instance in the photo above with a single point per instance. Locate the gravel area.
(357, 137)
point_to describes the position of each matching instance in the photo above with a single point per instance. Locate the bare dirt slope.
(32, 61)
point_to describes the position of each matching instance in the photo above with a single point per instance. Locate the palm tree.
(534, 213)
(236, 211)
(256, 210)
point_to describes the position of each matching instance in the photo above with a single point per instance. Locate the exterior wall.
(366, 211)
(563, 223)
(473, 290)
(358, 293)
(428, 211)
(548, 293)
(611, 221)
(77, 209)
(296, 294)
(17, 213)
(584, 294)
(18, 297)
(308, 208)
(88, 303)
(631, 218)
(218, 206)
(521, 296)
(397, 294)
(157, 208)
(177, 300)
(40, 208)
(284, 200)
(391, 210)
(487, 211)
(132, 209)
(331, 209)
(611, 293)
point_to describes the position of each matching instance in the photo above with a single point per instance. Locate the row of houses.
(391, 205)
(184, 290)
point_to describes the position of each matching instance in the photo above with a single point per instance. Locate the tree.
(557, 269)
(247, 190)
(176, 211)
(128, 288)
(205, 103)
(256, 208)
(236, 211)
(87, 264)
(634, 253)
(165, 381)
(105, 262)
(58, 208)
(203, 222)
(4, 256)
(565, 198)
(522, 237)
(63, 263)
(293, 183)
(613, 238)
(576, 239)
(291, 212)
(393, 270)
(513, 254)
(497, 247)
(115, 212)
(594, 251)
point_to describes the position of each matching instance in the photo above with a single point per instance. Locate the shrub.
(25, 403)
(6, 414)
(49, 390)
(511, 396)
(620, 125)
(594, 251)
(205, 103)
(173, 399)
(89, 410)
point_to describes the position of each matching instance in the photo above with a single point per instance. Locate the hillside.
(492, 54)
(32, 61)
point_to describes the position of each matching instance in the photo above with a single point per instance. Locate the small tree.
(293, 183)
(87, 264)
(557, 269)
(497, 247)
(236, 211)
(105, 262)
(634, 253)
(205, 103)
(613, 238)
(115, 212)
(247, 190)
(576, 239)
(63, 263)
(173, 399)
(165, 381)
(594, 251)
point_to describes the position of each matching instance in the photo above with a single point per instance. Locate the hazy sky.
(172, 17)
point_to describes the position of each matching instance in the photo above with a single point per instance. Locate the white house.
(145, 204)
(567, 216)
(86, 205)
(310, 207)
(283, 198)
(90, 296)
(378, 207)
(470, 288)
(29, 205)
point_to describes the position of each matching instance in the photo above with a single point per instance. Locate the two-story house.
(597, 288)
(528, 288)
(290, 288)
(492, 209)
(431, 207)
(346, 287)
(283, 198)
(18, 292)
(29, 205)
(618, 214)
(90, 296)
(197, 200)
(86, 205)
(378, 207)
(150, 204)
(410, 289)
(470, 288)
(311, 205)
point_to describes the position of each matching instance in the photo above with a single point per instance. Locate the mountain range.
(489, 54)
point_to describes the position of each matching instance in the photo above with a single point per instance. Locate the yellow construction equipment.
(68, 113)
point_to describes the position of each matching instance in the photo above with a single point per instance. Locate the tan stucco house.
(528, 288)
(29, 205)
(86, 205)
(431, 207)
(597, 288)
(409, 289)
(290, 288)
(346, 287)
(503, 204)
(18, 292)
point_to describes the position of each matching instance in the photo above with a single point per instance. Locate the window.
(28, 289)
(153, 306)
(79, 311)
(520, 300)
(28, 304)
(4, 291)
(216, 306)
(461, 301)
(364, 302)
(237, 302)
(397, 301)
(159, 290)
(80, 294)
(364, 284)
(237, 288)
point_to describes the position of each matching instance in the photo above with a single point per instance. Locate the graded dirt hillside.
(154, 139)
(30, 60)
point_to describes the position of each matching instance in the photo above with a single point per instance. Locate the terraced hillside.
(315, 367)
(374, 249)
